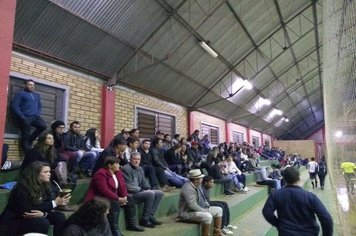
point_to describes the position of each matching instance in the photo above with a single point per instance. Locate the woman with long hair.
(91, 144)
(212, 155)
(45, 151)
(89, 219)
(30, 205)
(108, 182)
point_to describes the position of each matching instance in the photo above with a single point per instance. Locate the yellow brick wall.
(82, 92)
(203, 118)
(304, 147)
(126, 100)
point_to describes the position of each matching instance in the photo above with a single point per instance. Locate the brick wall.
(125, 110)
(82, 92)
(237, 128)
(200, 117)
(304, 147)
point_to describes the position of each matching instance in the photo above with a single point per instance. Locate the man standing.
(296, 209)
(28, 108)
(139, 189)
(312, 168)
(194, 207)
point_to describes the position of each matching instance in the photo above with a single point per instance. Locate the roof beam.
(256, 47)
(286, 35)
(249, 53)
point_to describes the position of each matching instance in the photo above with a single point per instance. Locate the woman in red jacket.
(109, 182)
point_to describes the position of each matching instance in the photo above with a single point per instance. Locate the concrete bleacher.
(243, 208)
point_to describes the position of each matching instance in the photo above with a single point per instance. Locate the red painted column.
(7, 13)
(248, 135)
(227, 132)
(190, 123)
(262, 141)
(108, 116)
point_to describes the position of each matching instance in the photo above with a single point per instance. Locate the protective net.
(339, 81)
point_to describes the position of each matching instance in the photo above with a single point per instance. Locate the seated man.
(74, 143)
(262, 179)
(194, 207)
(139, 189)
(159, 161)
(348, 170)
(153, 173)
(219, 176)
(252, 164)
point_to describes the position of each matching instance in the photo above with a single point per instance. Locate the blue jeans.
(174, 179)
(25, 127)
(236, 181)
(86, 161)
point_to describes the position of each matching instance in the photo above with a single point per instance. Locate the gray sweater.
(135, 180)
(261, 175)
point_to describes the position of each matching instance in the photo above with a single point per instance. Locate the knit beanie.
(56, 124)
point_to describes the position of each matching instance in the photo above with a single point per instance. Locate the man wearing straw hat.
(194, 207)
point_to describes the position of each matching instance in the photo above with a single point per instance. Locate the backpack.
(322, 169)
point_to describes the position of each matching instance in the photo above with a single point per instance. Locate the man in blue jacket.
(28, 108)
(296, 209)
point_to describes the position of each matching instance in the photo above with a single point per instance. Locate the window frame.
(210, 126)
(257, 144)
(155, 112)
(238, 133)
(268, 141)
(46, 83)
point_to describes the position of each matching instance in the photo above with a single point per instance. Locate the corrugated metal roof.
(128, 36)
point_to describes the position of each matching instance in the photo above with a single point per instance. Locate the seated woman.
(44, 151)
(58, 128)
(108, 182)
(187, 162)
(89, 219)
(91, 143)
(234, 171)
(30, 205)
(207, 184)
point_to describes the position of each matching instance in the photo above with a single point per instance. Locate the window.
(267, 144)
(211, 131)
(149, 122)
(237, 137)
(53, 99)
(256, 141)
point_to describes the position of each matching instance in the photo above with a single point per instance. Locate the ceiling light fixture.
(286, 120)
(266, 102)
(247, 85)
(208, 49)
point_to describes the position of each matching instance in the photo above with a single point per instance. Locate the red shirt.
(103, 185)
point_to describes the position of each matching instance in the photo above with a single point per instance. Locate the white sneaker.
(226, 231)
(231, 227)
(246, 188)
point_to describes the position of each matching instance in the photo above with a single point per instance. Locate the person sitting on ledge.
(30, 205)
(261, 176)
(109, 182)
(89, 220)
(208, 183)
(194, 207)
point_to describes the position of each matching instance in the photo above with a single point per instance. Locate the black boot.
(113, 218)
(131, 220)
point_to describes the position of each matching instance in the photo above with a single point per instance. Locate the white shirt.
(312, 166)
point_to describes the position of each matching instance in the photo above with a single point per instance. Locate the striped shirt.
(312, 166)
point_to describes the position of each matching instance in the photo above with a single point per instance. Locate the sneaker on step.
(165, 189)
(246, 188)
(227, 231)
(229, 193)
(231, 227)
(242, 191)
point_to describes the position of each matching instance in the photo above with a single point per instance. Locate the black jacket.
(215, 172)
(108, 152)
(172, 158)
(18, 204)
(35, 155)
(146, 158)
(158, 158)
(73, 143)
